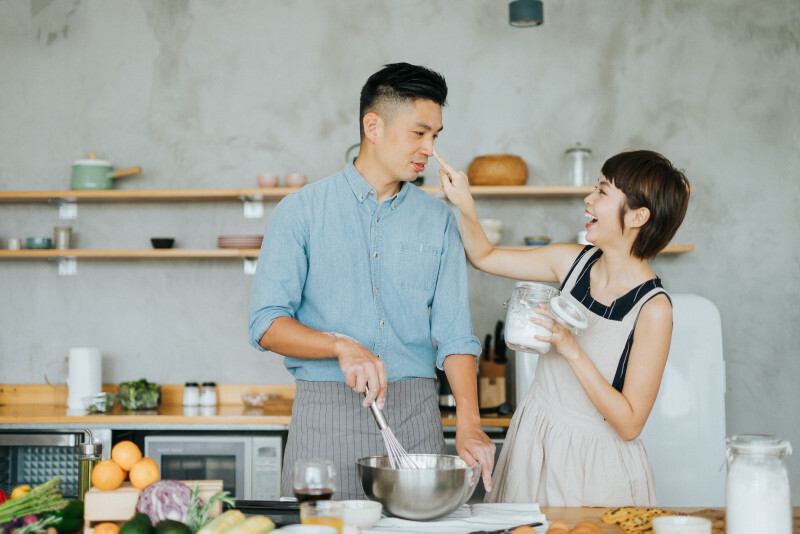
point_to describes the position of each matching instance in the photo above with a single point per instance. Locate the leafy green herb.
(198, 516)
(139, 394)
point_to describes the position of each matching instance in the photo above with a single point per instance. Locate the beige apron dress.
(559, 451)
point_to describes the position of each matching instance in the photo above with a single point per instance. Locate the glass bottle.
(208, 395)
(757, 497)
(191, 394)
(88, 455)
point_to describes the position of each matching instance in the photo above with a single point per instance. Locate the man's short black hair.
(400, 83)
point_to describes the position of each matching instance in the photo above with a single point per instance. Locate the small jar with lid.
(527, 296)
(191, 394)
(757, 496)
(208, 395)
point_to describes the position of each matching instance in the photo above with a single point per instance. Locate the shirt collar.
(362, 190)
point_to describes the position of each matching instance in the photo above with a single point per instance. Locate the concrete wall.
(211, 93)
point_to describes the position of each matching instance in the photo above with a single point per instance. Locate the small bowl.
(162, 242)
(257, 400)
(681, 524)
(267, 179)
(296, 179)
(38, 242)
(99, 403)
(537, 240)
(362, 513)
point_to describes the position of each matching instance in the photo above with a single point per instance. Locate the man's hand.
(473, 445)
(363, 371)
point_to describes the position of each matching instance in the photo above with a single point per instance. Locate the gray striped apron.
(328, 421)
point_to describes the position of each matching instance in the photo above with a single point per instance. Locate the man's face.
(406, 140)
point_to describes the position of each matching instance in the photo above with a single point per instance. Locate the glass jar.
(191, 394)
(89, 454)
(577, 156)
(520, 331)
(757, 495)
(519, 328)
(208, 395)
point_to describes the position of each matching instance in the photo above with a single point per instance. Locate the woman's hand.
(560, 337)
(455, 185)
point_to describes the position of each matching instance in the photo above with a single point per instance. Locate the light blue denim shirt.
(393, 277)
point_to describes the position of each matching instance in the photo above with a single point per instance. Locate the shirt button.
(360, 197)
(381, 323)
(371, 193)
(377, 219)
(393, 204)
(376, 290)
(374, 254)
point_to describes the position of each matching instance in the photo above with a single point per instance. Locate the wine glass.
(314, 480)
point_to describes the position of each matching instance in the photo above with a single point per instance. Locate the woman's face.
(603, 207)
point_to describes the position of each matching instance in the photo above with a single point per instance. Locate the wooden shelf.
(268, 193)
(181, 253)
(170, 253)
(144, 195)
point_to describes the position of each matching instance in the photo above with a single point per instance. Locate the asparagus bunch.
(44, 498)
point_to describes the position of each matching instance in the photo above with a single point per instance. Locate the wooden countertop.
(573, 516)
(36, 404)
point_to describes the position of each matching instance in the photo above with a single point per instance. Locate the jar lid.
(566, 313)
(91, 449)
(209, 384)
(190, 384)
(759, 444)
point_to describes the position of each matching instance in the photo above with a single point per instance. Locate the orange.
(126, 453)
(107, 475)
(106, 528)
(143, 473)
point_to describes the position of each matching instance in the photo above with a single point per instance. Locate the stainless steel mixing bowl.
(442, 485)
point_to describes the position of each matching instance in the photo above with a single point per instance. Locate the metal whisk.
(398, 457)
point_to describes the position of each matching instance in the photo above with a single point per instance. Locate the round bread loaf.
(497, 169)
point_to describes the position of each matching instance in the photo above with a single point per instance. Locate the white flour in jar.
(757, 500)
(520, 330)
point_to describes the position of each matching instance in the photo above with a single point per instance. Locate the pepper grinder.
(88, 455)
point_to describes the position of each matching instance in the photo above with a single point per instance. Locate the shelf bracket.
(67, 266)
(250, 265)
(66, 209)
(253, 206)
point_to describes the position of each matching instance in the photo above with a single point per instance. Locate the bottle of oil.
(88, 455)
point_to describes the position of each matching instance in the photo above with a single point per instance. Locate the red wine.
(313, 494)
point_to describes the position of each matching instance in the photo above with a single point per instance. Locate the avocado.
(139, 524)
(169, 526)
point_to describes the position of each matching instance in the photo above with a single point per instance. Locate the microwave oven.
(33, 457)
(249, 466)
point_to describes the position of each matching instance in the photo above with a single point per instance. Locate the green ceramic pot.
(92, 174)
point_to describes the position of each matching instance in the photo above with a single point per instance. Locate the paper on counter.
(468, 518)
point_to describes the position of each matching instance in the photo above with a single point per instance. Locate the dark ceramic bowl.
(162, 242)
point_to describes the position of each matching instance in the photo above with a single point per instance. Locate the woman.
(573, 441)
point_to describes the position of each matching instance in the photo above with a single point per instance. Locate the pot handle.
(130, 171)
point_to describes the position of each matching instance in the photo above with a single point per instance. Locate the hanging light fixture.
(523, 13)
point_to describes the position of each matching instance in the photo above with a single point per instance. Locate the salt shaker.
(88, 455)
(191, 394)
(757, 486)
(208, 396)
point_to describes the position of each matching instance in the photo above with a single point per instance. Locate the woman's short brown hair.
(649, 180)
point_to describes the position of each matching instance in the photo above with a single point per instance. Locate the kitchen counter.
(29, 406)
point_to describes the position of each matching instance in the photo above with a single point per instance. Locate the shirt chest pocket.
(415, 266)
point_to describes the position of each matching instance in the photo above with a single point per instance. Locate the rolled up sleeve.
(451, 325)
(282, 268)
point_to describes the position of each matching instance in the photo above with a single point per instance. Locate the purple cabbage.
(166, 499)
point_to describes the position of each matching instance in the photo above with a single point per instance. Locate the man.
(361, 285)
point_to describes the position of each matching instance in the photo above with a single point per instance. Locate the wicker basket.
(497, 169)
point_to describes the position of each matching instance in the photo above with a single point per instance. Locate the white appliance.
(685, 433)
(249, 466)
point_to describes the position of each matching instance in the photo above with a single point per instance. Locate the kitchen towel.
(468, 518)
(85, 375)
